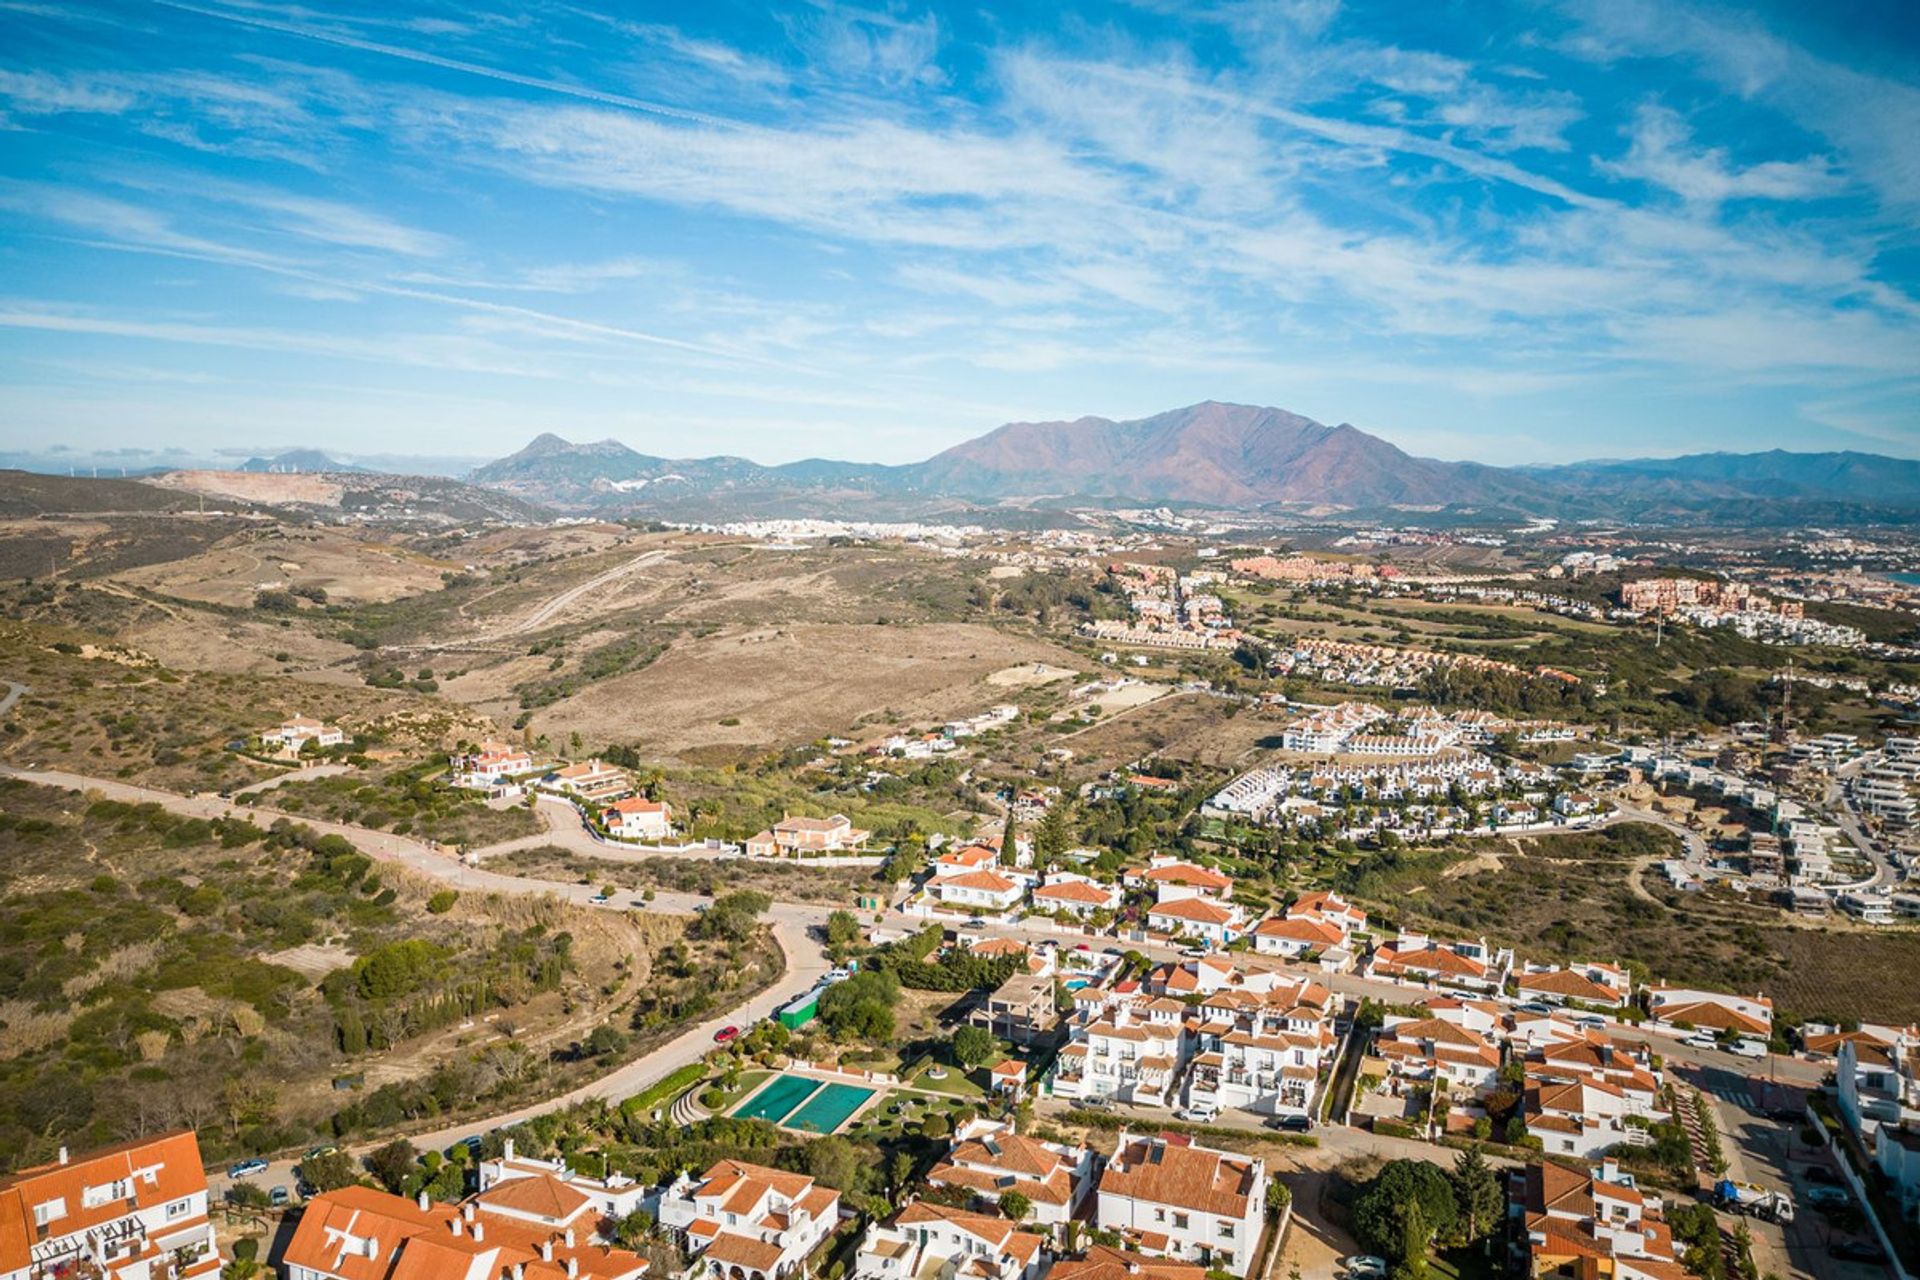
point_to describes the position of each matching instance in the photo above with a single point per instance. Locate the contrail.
(452, 64)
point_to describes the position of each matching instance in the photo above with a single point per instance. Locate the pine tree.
(1477, 1191)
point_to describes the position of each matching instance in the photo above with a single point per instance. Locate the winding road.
(792, 923)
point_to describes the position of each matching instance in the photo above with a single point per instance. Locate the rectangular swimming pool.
(828, 1109)
(776, 1098)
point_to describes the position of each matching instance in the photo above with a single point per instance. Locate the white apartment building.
(1263, 1051)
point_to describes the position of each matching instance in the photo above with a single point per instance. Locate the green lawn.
(957, 1084)
(1462, 1264)
(749, 1081)
(666, 1088)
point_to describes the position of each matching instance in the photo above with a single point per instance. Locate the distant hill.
(1224, 455)
(30, 493)
(1219, 456)
(1860, 478)
(298, 461)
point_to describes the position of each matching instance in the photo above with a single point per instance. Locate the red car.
(724, 1034)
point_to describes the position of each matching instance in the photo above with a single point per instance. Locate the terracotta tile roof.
(173, 1159)
(1567, 983)
(1194, 910)
(542, 1195)
(732, 1249)
(1295, 929)
(1074, 891)
(1188, 874)
(990, 881)
(1182, 1176)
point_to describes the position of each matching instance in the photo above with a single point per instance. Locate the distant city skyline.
(1542, 231)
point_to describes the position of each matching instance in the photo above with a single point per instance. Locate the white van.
(1748, 1048)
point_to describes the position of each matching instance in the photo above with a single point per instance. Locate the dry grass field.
(767, 687)
(350, 566)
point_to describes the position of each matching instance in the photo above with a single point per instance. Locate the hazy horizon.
(1517, 233)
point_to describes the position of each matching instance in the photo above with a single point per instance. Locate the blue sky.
(1519, 232)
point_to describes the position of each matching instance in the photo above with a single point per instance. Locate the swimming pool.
(779, 1096)
(828, 1109)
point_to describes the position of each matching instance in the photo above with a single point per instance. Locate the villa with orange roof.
(1170, 878)
(990, 1158)
(1598, 984)
(748, 1222)
(1594, 1226)
(297, 731)
(1076, 895)
(1204, 919)
(792, 837)
(1169, 1197)
(984, 890)
(528, 1233)
(1433, 1050)
(612, 1197)
(1103, 1263)
(594, 780)
(1416, 958)
(493, 765)
(638, 818)
(965, 859)
(136, 1211)
(926, 1239)
(1683, 1007)
(1320, 924)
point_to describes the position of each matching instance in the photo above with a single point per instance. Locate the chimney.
(63, 1155)
(453, 1224)
(519, 1271)
(569, 1237)
(373, 1247)
(422, 1199)
(546, 1251)
(466, 1211)
(506, 1151)
(1610, 1170)
(479, 1232)
(573, 1268)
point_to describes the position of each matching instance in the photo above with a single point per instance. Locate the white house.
(637, 818)
(297, 732)
(1168, 1196)
(1076, 895)
(748, 1222)
(927, 1239)
(980, 890)
(990, 1158)
(137, 1211)
(1203, 918)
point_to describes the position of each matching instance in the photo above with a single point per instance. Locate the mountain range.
(1217, 456)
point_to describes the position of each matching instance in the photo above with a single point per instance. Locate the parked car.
(1701, 1041)
(1364, 1266)
(1748, 1048)
(279, 1197)
(325, 1149)
(726, 1035)
(1538, 1007)
(1592, 1021)
(246, 1168)
(1857, 1251)
(1291, 1124)
(1199, 1113)
(1828, 1197)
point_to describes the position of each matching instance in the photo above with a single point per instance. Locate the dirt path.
(552, 607)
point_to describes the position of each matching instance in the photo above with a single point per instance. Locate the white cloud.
(1663, 153)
